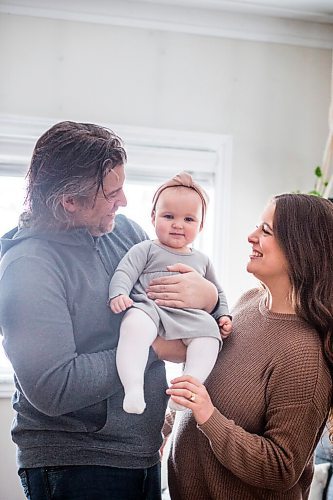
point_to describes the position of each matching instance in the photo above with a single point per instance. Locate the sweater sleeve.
(298, 398)
(129, 269)
(40, 342)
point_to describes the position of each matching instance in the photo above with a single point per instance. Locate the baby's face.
(177, 217)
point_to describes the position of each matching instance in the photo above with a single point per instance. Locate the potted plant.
(322, 184)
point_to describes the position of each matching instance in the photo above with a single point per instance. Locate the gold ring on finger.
(193, 397)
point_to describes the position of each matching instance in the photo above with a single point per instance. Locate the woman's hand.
(169, 350)
(187, 289)
(189, 392)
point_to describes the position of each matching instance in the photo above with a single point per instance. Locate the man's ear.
(69, 203)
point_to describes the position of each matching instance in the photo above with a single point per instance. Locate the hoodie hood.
(72, 237)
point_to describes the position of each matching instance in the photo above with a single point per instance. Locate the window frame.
(162, 151)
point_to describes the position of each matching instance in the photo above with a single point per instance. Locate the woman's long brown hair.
(303, 226)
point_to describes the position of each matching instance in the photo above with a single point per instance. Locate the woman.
(254, 427)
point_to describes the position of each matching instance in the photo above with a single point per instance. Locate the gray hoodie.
(61, 337)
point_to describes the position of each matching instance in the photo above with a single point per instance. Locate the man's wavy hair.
(72, 159)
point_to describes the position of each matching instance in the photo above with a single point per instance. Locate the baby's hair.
(183, 179)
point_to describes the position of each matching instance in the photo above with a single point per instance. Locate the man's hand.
(169, 350)
(225, 325)
(120, 303)
(187, 289)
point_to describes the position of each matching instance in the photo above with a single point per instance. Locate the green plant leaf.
(318, 172)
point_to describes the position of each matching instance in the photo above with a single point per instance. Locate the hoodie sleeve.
(39, 340)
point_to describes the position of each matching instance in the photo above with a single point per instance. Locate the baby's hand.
(120, 303)
(225, 325)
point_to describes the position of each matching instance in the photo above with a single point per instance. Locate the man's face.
(99, 217)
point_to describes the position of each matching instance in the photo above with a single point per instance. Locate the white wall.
(273, 99)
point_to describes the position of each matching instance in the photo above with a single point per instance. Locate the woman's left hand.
(189, 392)
(184, 289)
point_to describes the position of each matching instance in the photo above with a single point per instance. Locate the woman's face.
(267, 260)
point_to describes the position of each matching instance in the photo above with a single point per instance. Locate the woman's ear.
(69, 203)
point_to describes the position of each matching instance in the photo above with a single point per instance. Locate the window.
(153, 156)
(11, 198)
(12, 192)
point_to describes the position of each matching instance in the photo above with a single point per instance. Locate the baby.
(178, 214)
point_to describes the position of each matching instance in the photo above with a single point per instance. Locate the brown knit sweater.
(271, 390)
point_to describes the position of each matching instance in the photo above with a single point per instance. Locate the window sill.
(7, 386)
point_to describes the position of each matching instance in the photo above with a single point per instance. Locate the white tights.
(137, 333)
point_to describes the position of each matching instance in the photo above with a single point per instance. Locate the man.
(73, 438)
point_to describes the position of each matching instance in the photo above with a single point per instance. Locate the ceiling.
(312, 10)
(296, 22)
